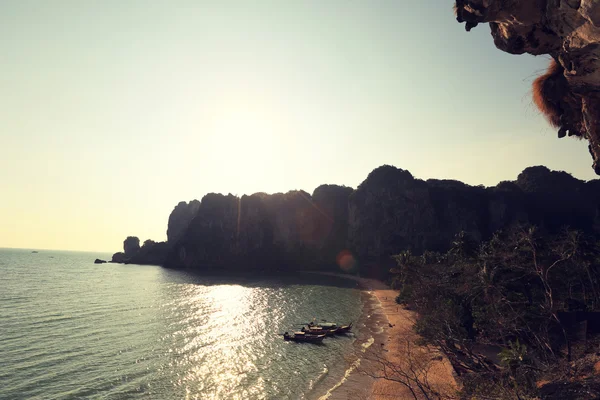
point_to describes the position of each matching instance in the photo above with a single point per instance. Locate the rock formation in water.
(151, 253)
(389, 212)
(118, 257)
(569, 31)
(131, 246)
(155, 253)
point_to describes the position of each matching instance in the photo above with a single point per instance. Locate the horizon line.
(68, 250)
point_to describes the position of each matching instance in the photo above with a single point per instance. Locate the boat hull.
(305, 338)
(327, 332)
(344, 329)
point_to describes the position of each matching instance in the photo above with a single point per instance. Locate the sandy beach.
(375, 377)
(400, 350)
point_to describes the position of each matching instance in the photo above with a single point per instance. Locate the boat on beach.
(344, 329)
(315, 333)
(303, 337)
(318, 330)
(330, 328)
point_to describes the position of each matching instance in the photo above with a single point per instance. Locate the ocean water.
(71, 329)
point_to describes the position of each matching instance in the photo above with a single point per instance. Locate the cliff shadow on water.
(252, 280)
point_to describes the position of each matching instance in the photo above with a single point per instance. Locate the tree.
(413, 371)
(509, 294)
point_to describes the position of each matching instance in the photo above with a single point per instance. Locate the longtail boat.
(303, 337)
(329, 327)
(344, 329)
(319, 330)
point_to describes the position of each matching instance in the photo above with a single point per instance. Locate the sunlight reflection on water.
(154, 333)
(224, 329)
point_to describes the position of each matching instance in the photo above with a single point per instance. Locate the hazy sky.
(111, 112)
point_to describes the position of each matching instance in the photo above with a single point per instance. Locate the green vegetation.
(509, 312)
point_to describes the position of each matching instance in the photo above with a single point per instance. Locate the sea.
(72, 329)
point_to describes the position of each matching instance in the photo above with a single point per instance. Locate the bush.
(506, 293)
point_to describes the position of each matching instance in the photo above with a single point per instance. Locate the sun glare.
(245, 133)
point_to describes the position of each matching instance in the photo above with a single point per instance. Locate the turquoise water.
(72, 329)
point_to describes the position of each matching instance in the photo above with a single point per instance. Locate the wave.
(319, 378)
(367, 344)
(350, 370)
(353, 366)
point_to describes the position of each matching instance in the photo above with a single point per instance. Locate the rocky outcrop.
(506, 206)
(99, 261)
(389, 212)
(569, 31)
(383, 213)
(131, 246)
(151, 253)
(392, 211)
(264, 232)
(118, 257)
(554, 199)
(331, 222)
(180, 219)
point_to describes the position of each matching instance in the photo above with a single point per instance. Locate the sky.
(111, 112)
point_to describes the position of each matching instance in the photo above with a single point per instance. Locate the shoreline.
(367, 330)
(388, 345)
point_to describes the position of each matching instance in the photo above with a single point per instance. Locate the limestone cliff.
(569, 31)
(389, 212)
(151, 253)
(392, 210)
(180, 219)
(331, 222)
(267, 232)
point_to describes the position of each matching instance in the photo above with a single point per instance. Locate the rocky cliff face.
(180, 219)
(389, 212)
(569, 31)
(151, 253)
(556, 199)
(383, 213)
(392, 211)
(266, 232)
(331, 216)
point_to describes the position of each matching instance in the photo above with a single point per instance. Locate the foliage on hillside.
(503, 310)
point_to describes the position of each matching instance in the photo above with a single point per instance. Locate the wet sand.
(392, 342)
(399, 349)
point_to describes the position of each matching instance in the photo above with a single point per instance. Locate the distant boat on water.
(34, 251)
